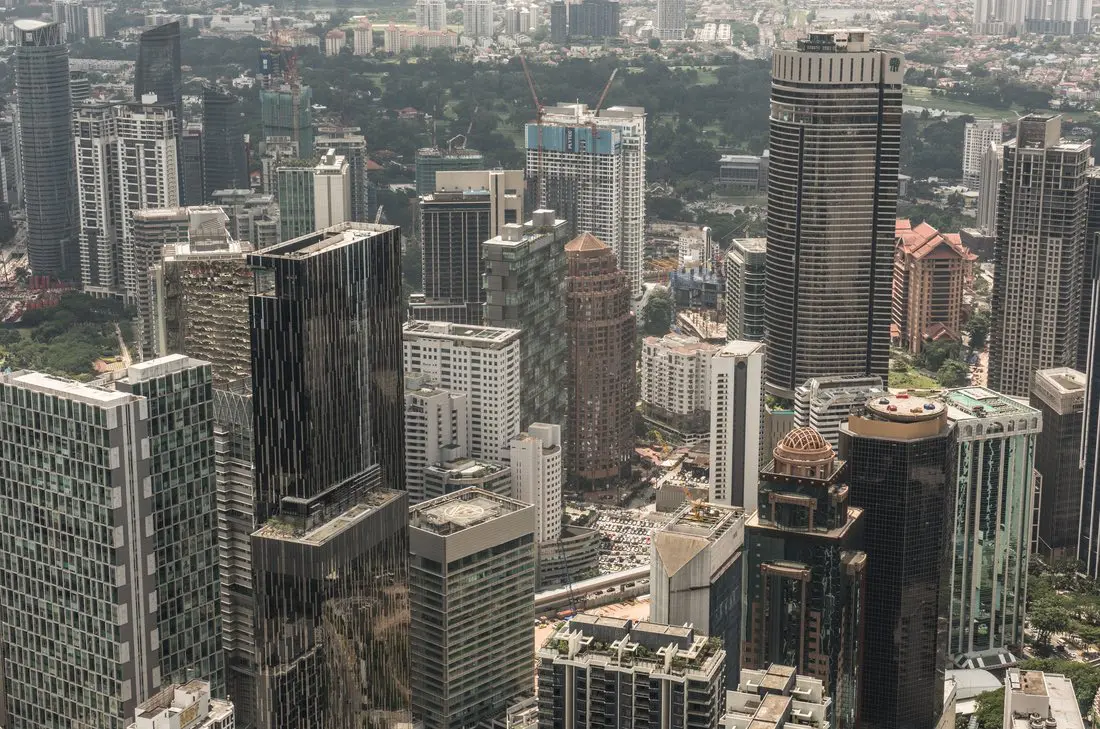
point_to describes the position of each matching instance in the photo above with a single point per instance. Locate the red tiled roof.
(924, 240)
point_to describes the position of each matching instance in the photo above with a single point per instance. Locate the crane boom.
(603, 96)
(538, 122)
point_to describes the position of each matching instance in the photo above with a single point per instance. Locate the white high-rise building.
(184, 706)
(431, 14)
(482, 363)
(671, 19)
(363, 40)
(737, 404)
(126, 158)
(675, 389)
(477, 18)
(537, 476)
(998, 17)
(989, 182)
(591, 170)
(823, 403)
(436, 430)
(331, 191)
(976, 140)
(97, 21)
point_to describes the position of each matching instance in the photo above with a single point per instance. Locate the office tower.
(436, 430)
(671, 20)
(80, 87)
(200, 304)
(233, 454)
(187, 706)
(744, 293)
(593, 19)
(327, 391)
(297, 200)
(225, 161)
(1090, 447)
(675, 384)
(126, 161)
(832, 195)
(10, 163)
(591, 170)
(977, 138)
(996, 438)
(989, 183)
(431, 14)
(449, 477)
(1068, 17)
(695, 575)
(931, 273)
(535, 458)
(45, 570)
(524, 280)
(466, 209)
(191, 165)
(736, 387)
(286, 111)
(477, 18)
(1037, 285)
(430, 160)
(603, 377)
(805, 574)
(776, 698)
(158, 69)
(998, 17)
(823, 403)
(1059, 396)
(1090, 268)
(481, 362)
(1048, 696)
(559, 23)
(900, 457)
(46, 149)
(472, 596)
(73, 18)
(331, 191)
(349, 143)
(583, 685)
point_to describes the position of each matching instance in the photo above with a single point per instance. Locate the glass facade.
(453, 227)
(224, 159)
(158, 68)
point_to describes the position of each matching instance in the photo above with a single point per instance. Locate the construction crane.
(603, 96)
(665, 447)
(697, 505)
(294, 81)
(539, 109)
(568, 581)
(378, 215)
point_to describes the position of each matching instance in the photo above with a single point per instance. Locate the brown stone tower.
(603, 385)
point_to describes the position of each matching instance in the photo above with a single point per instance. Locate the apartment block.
(537, 467)
(675, 384)
(823, 403)
(736, 389)
(777, 698)
(744, 292)
(331, 190)
(977, 137)
(436, 430)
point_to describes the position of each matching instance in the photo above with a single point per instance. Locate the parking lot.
(626, 537)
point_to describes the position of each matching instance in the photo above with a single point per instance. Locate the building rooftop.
(738, 348)
(925, 241)
(585, 242)
(750, 245)
(290, 531)
(465, 333)
(67, 389)
(316, 243)
(903, 407)
(161, 366)
(1064, 379)
(461, 510)
(1048, 697)
(967, 403)
(709, 521)
(682, 344)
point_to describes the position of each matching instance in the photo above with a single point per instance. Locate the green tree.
(654, 43)
(953, 373)
(990, 710)
(1048, 616)
(978, 327)
(657, 314)
(934, 354)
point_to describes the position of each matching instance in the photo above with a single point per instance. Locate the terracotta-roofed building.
(931, 270)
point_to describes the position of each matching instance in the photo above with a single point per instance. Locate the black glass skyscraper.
(158, 67)
(46, 147)
(900, 461)
(225, 161)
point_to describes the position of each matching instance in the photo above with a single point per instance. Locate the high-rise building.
(158, 69)
(336, 41)
(11, 178)
(297, 200)
(189, 704)
(472, 592)
(477, 19)
(466, 209)
(524, 279)
(536, 460)
(253, 217)
(603, 375)
(431, 14)
(991, 543)
(349, 143)
(72, 18)
(1067, 17)
(1088, 548)
(362, 42)
(593, 19)
(127, 160)
(832, 197)
(675, 384)
(449, 477)
(591, 170)
(901, 468)
(1090, 269)
(191, 165)
(436, 430)
(823, 403)
(559, 23)
(744, 293)
(989, 183)
(328, 392)
(696, 575)
(1059, 396)
(225, 160)
(736, 387)
(331, 191)
(287, 111)
(775, 698)
(97, 21)
(430, 160)
(45, 110)
(805, 573)
(1037, 286)
(977, 138)
(80, 87)
(482, 363)
(583, 684)
(931, 273)
(998, 17)
(671, 22)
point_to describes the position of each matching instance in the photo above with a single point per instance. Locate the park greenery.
(657, 313)
(65, 339)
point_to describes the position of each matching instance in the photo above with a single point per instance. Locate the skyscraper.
(832, 196)
(297, 200)
(1090, 268)
(329, 559)
(191, 165)
(603, 377)
(477, 18)
(472, 596)
(671, 19)
(1088, 548)
(1059, 396)
(350, 144)
(736, 396)
(593, 19)
(1036, 283)
(431, 14)
(535, 457)
(437, 429)
(977, 137)
(287, 111)
(331, 190)
(225, 162)
(524, 289)
(991, 544)
(998, 17)
(900, 458)
(989, 182)
(158, 69)
(46, 148)
(746, 266)
(430, 160)
(590, 168)
(806, 572)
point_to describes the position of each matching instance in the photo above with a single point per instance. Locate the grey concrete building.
(462, 473)
(744, 293)
(1059, 395)
(776, 698)
(823, 403)
(472, 593)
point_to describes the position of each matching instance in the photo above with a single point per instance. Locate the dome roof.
(806, 440)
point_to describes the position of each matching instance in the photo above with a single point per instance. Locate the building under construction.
(286, 111)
